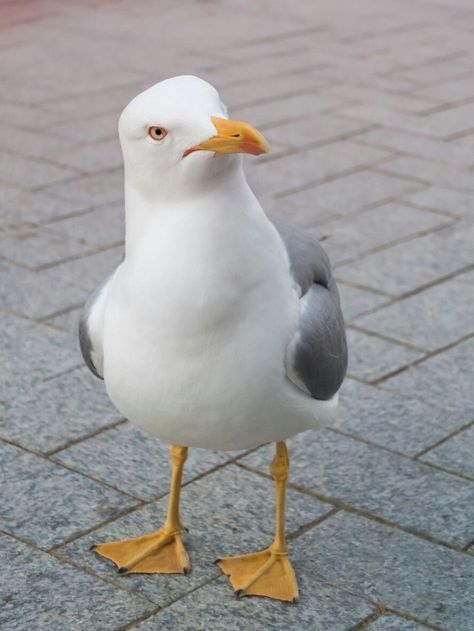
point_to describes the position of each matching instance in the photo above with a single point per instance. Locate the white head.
(172, 133)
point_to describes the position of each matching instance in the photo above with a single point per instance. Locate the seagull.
(219, 329)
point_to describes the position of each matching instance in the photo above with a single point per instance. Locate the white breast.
(196, 327)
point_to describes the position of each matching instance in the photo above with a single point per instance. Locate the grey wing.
(91, 326)
(317, 356)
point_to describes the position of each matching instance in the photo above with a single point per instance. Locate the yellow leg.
(163, 551)
(267, 572)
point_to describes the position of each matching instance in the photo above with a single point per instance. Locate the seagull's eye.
(157, 133)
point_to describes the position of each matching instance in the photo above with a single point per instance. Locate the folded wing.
(91, 326)
(316, 359)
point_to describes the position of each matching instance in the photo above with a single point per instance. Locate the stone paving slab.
(352, 237)
(410, 265)
(456, 454)
(445, 380)
(214, 606)
(135, 462)
(20, 207)
(51, 414)
(429, 320)
(388, 566)
(46, 504)
(404, 424)
(42, 593)
(361, 190)
(356, 301)
(44, 351)
(394, 623)
(372, 358)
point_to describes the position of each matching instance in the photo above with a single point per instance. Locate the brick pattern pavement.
(369, 107)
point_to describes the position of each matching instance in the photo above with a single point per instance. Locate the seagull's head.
(176, 138)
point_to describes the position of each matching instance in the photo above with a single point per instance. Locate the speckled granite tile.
(38, 592)
(134, 461)
(32, 352)
(351, 237)
(86, 273)
(94, 190)
(46, 503)
(356, 301)
(392, 567)
(444, 199)
(370, 357)
(50, 414)
(403, 424)
(17, 207)
(37, 295)
(456, 454)
(444, 380)
(430, 319)
(35, 247)
(68, 321)
(385, 484)
(356, 191)
(228, 512)
(99, 228)
(412, 264)
(13, 170)
(215, 607)
(394, 623)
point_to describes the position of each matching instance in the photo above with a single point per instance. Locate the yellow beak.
(232, 137)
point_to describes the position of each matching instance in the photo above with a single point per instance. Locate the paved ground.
(369, 107)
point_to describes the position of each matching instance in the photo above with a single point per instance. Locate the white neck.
(142, 211)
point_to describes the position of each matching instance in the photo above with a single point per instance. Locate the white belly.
(194, 352)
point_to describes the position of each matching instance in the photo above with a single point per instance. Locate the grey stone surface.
(444, 199)
(228, 512)
(407, 266)
(90, 158)
(305, 167)
(294, 134)
(351, 237)
(46, 504)
(455, 454)
(91, 190)
(19, 207)
(30, 174)
(35, 295)
(444, 380)
(68, 321)
(431, 319)
(86, 273)
(371, 358)
(403, 424)
(360, 190)
(392, 567)
(49, 414)
(214, 606)
(38, 592)
(379, 482)
(34, 248)
(31, 353)
(357, 301)
(284, 109)
(394, 623)
(100, 228)
(135, 462)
